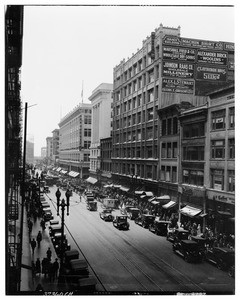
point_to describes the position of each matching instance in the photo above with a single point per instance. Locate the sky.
(67, 49)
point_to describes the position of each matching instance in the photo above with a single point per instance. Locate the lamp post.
(62, 205)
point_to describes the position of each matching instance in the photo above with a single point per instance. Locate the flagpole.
(82, 92)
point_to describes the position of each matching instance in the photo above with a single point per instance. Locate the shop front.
(221, 211)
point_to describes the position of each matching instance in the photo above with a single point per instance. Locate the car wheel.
(186, 258)
(219, 266)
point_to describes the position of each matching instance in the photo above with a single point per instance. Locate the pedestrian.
(55, 268)
(33, 270)
(42, 223)
(30, 226)
(44, 266)
(38, 266)
(49, 253)
(33, 245)
(39, 238)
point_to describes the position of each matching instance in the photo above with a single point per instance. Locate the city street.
(135, 260)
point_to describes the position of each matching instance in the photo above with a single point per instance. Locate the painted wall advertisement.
(177, 69)
(182, 86)
(212, 57)
(176, 53)
(211, 73)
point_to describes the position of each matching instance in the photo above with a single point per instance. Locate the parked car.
(145, 220)
(121, 222)
(189, 250)
(125, 209)
(222, 257)
(47, 214)
(202, 242)
(133, 213)
(159, 227)
(106, 215)
(174, 235)
(57, 240)
(92, 205)
(54, 228)
(46, 189)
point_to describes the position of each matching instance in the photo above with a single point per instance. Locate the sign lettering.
(211, 73)
(175, 53)
(219, 58)
(176, 69)
(177, 86)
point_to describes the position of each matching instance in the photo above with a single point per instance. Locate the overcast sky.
(64, 46)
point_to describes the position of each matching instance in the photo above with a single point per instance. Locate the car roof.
(148, 215)
(224, 249)
(163, 222)
(189, 242)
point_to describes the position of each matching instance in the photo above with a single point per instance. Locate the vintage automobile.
(222, 257)
(125, 209)
(54, 228)
(57, 240)
(106, 215)
(46, 189)
(121, 222)
(145, 220)
(47, 214)
(177, 234)
(202, 242)
(231, 272)
(133, 213)
(189, 250)
(92, 205)
(159, 227)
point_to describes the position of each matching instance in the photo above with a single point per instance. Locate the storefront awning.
(139, 192)
(91, 180)
(149, 194)
(63, 171)
(70, 173)
(124, 189)
(164, 197)
(169, 205)
(190, 211)
(224, 213)
(58, 169)
(75, 174)
(154, 202)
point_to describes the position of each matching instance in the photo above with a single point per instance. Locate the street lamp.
(63, 204)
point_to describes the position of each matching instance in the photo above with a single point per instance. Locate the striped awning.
(170, 204)
(91, 180)
(190, 211)
(124, 189)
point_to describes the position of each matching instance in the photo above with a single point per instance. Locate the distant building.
(49, 149)
(106, 159)
(101, 100)
(29, 152)
(55, 145)
(75, 139)
(43, 152)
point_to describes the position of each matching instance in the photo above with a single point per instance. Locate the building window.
(231, 148)
(218, 119)
(149, 171)
(164, 127)
(168, 170)
(129, 105)
(134, 119)
(193, 130)
(151, 76)
(231, 117)
(163, 151)
(193, 177)
(149, 133)
(138, 152)
(175, 150)
(149, 152)
(139, 99)
(218, 149)
(87, 144)
(87, 119)
(175, 125)
(86, 157)
(138, 117)
(217, 179)
(129, 121)
(174, 174)
(139, 135)
(231, 180)
(150, 96)
(87, 132)
(193, 153)
(150, 114)
(162, 174)
(169, 150)
(134, 103)
(169, 126)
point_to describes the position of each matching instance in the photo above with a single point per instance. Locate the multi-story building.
(106, 159)
(101, 100)
(75, 140)
(43, 152)
(29, 152)
(55, 145)
(167, 70)
(220, 159)
(13, 145)
(49, 149)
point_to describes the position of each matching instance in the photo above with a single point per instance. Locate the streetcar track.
(117, 254)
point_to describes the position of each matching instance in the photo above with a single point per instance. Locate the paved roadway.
(135, 261)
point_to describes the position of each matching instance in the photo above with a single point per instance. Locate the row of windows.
(137, 135)
(219, 119)
(169, 126)
(138, 152)
(218, 149)
(139, 100)
(137, 118)
(169, 150)
(138, 67)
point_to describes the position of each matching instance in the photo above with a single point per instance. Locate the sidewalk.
(28, 281)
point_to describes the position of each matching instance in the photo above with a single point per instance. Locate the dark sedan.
(222, 257)
(106, 215)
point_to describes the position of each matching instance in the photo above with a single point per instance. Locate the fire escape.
(13, 142)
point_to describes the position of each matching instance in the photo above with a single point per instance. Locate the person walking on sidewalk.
(42, 223)
(39, 238)
(33, 245)
(55, 268)
(38, 266)
(30, 226)
(49, 253)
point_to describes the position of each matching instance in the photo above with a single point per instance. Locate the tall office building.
(29, 152)
(167, 70)
(43, 152)
(55, 145)
(101, 100)
(75, 140)
(49, 148)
